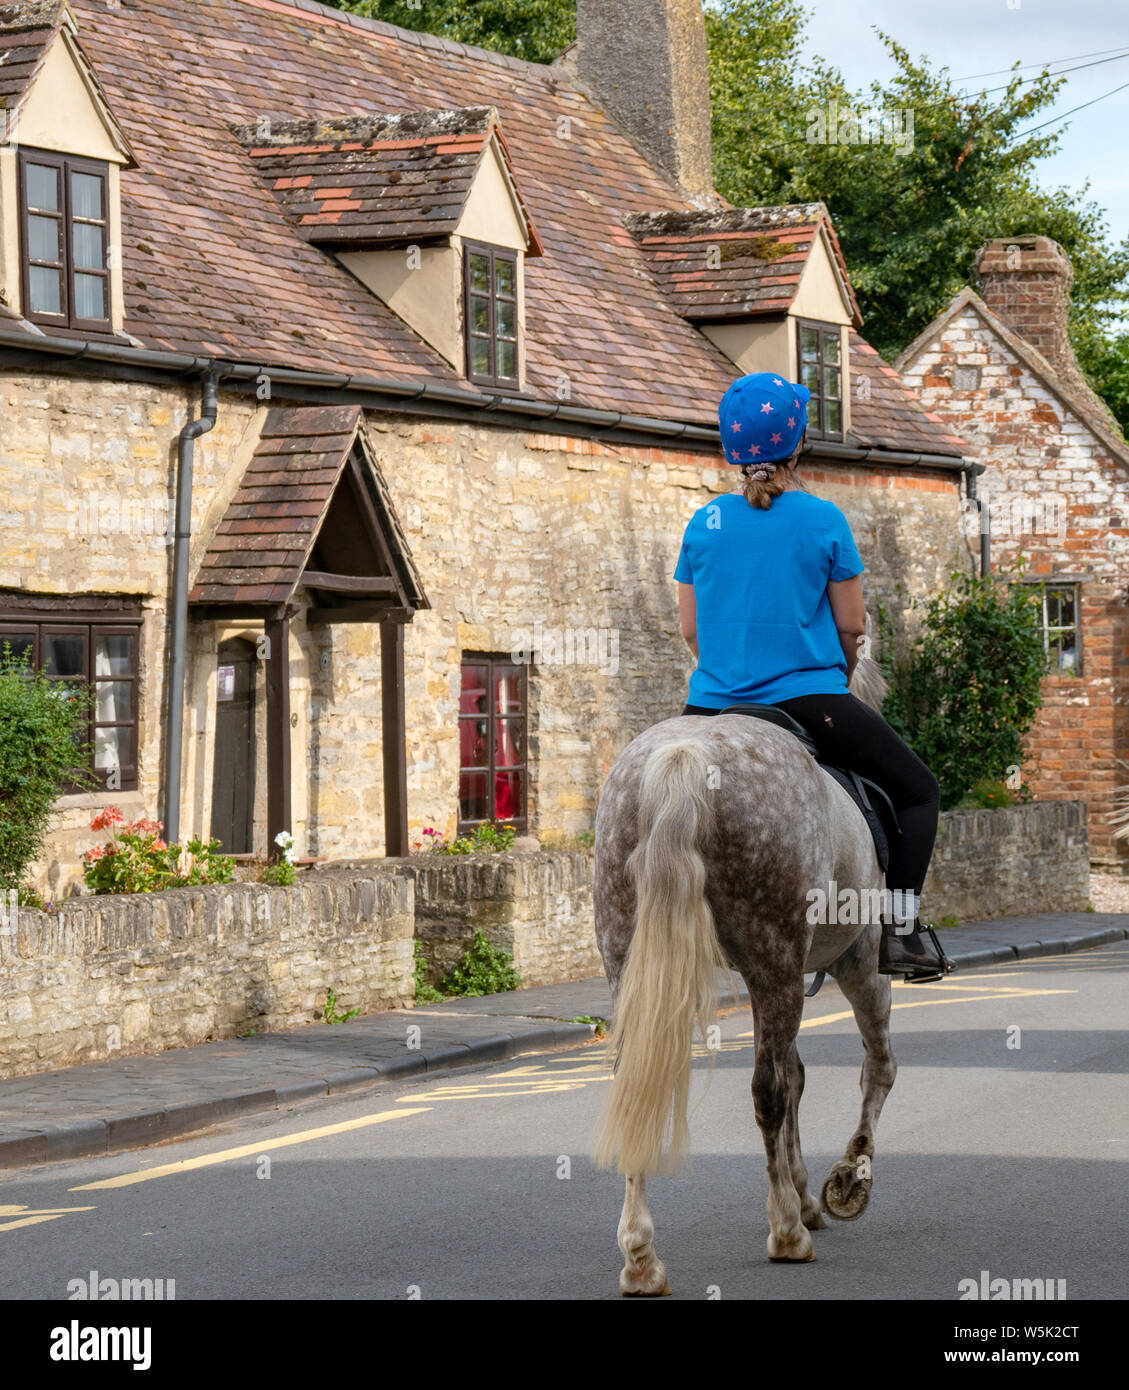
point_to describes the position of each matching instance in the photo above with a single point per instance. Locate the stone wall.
(1010, 862)
(537, 906)
(116, 976)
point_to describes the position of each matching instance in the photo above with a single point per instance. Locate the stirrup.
(947, 966)
(919, 971)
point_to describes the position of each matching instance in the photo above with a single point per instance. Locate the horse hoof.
(815, 1222)
(799, 1250)
(845, 1195)
(637, 1283)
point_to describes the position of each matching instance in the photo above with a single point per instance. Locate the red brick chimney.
(1025, 280)
(645, 63)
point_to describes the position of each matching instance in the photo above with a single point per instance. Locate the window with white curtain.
(103, 654)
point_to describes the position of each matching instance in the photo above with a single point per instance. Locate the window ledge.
(95, 801)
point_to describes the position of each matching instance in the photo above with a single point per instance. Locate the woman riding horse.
(771, 605)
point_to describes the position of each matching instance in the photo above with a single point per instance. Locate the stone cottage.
(999, 368)
(355, 389)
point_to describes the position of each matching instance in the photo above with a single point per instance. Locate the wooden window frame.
(66, 165)
(41, 622)
(825, 330)
(496, 662)
(494, 254)
(1047, 584)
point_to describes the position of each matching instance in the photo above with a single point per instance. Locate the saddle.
(868, 796)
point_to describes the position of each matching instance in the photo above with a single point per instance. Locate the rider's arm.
(688, 616)
(849, 611)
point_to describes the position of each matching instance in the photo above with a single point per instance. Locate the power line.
(1061, 73)
(996, 72)
(1072, 110)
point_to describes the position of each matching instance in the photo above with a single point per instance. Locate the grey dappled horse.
(710, 833)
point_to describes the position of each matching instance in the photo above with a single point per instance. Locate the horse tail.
(670, 971)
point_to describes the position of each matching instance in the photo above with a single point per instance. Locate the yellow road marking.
(29, 1217)
(187, 1165)
(924, 1003)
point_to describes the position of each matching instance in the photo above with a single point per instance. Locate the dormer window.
(490, 307)
(65, 241)
(423, 207)
(820, 357)
(62, 153)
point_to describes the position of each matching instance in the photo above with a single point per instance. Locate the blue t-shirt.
(765, 628)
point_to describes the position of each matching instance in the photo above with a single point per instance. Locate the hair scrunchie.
(760, 472)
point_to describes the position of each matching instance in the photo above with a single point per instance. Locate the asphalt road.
(1009, 1159)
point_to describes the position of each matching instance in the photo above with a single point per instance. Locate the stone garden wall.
(110, 976)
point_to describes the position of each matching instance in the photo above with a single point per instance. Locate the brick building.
(421, 348)
(999, 368)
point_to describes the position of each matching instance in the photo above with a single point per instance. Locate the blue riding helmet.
(762, 417)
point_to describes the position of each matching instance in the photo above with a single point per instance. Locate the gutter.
(178, 636)
(337, 388)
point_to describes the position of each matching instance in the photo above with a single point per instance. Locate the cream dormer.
(424, 209)
(61, 156)
(770, 287)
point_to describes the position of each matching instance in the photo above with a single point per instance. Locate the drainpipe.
(985, 519)
(178, 637)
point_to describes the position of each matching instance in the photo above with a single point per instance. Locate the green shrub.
(972, 685)
(425, 993)
(44, 752)
(986, 793)
(484, 969)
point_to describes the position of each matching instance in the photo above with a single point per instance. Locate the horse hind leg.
(811, 1213)
(846, 1192)
(776, 1084)
(643, 1274)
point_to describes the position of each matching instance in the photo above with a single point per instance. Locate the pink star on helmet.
(766, 409)
(736, 426)
(791, 422)
(776, 381)
(796, 404)
(776, 438)
(754, 451)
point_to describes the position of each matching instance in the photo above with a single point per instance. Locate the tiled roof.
(260, 548)
(267, 534)
(885, 413)
(736, 262)
(377, 179)
(212, 264)
(26, 33)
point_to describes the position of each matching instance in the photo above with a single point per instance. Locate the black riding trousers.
(852, 735)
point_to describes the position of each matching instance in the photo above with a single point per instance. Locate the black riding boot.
(916, 955)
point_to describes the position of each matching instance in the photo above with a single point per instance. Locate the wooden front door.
(233, 774)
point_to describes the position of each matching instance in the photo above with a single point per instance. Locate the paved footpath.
(132, 1101)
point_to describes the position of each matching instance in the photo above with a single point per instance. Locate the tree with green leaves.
(534, 29)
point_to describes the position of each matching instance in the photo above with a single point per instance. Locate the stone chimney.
(645, 63)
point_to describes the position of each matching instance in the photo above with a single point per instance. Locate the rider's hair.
(759, 492)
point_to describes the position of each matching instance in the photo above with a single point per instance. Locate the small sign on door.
(225, 683)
